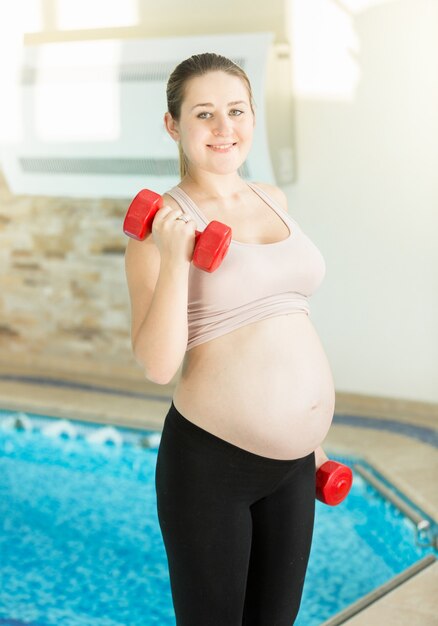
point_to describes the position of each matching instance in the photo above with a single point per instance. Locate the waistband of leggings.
(181, 423)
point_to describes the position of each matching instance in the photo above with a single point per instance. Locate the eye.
(236, 112)
(203, 115)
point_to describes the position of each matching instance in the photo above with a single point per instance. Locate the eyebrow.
(210, 104)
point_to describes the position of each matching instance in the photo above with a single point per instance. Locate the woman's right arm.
(157, 272)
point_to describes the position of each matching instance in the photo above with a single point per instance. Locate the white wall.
(367, 189)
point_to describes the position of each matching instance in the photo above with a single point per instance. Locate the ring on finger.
(183, 217)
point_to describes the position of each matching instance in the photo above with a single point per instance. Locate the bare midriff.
(266, 387)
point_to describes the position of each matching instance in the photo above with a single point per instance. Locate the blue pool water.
(80, 543)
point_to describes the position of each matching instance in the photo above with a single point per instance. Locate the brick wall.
(64, 302)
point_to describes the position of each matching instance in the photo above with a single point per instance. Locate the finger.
(164, 210)
(165, 213)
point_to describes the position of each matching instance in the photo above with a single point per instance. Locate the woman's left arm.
(320, 457)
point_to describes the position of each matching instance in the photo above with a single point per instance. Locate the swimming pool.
(80, 543)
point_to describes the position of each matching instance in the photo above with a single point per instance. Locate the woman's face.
(216, 124)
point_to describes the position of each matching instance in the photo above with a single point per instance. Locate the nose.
(222, 126)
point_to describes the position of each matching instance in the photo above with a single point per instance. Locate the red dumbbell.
(333, 482)
(211, 245)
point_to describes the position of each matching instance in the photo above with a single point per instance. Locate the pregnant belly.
(266, 387)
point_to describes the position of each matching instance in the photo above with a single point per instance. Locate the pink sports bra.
(254, 282)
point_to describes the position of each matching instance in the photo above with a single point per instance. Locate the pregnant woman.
(235, 473)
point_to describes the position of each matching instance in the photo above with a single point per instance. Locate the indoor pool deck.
(404, 449)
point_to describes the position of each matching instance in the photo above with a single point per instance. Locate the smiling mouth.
(225, 147)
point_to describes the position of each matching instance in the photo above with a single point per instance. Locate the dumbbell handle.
(333, 482)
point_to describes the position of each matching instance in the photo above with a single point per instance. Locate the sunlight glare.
(324, 49)
(79, 14)
(358, 6)
(11, 49)
(77, 92)
(30, 12)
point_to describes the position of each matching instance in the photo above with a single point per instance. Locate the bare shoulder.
(275, 193)
(169, 201)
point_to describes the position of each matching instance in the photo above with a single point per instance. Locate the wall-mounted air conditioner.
(91, 116)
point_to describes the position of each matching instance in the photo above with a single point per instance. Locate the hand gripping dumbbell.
(333, 482)
(211, 245)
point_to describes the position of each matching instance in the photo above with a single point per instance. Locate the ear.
(171, 126)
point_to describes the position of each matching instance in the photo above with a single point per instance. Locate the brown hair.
(198, 65)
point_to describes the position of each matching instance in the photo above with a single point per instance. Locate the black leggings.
(237, 528)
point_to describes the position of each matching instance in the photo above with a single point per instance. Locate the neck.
(212, 186)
